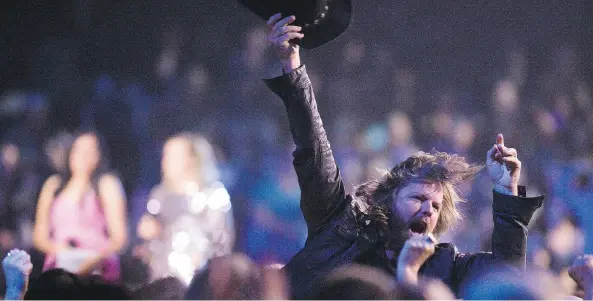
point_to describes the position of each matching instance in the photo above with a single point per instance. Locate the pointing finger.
(500, 139)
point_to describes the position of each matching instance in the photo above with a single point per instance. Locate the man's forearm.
(407, 275)
(514, 190)
(322, 189)
(296, 92)
(511, 217)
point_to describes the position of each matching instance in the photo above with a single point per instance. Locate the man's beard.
(398, 233)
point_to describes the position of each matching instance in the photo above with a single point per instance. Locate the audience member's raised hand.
(17, 267)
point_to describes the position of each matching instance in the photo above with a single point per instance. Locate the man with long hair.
(391, 223)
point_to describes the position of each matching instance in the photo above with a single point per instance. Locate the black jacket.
(336, 237)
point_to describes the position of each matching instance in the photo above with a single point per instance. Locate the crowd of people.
(85, 205)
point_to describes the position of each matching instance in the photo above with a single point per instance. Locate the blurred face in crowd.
(57, 157)
(56, 150)
(178, 159)
(400, 128)
(506, 97)
(415, 210)
(463, 135)
(10, 156)
(85, 155)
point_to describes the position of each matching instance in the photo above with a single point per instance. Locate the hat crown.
(306, 11)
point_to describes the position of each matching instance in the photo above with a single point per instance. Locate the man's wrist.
(407, 274)
(512, 190)
(289, 64)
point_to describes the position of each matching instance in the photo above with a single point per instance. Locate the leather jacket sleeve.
(511, 216)
(322, 190)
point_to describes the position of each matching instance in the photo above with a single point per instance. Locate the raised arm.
(512, 211)
(322, 189)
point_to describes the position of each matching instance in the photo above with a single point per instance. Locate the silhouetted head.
(356, 282)
(56, 284)
(168, 288)
(98, 290)
(228, 277)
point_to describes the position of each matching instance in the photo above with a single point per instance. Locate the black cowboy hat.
(322, 20)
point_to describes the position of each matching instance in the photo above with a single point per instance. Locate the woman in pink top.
(81, 221)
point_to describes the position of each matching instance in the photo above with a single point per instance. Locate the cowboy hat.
(321, 20)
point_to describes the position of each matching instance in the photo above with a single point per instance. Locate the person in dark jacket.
(390, 223)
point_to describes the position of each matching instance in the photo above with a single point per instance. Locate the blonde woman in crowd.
(189, 218)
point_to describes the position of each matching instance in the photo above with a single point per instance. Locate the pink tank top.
(83, 224)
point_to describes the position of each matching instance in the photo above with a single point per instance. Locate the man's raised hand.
(280, 34)
(416, 250)
(504, 167)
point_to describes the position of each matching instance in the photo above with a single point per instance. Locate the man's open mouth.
(418, 226)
